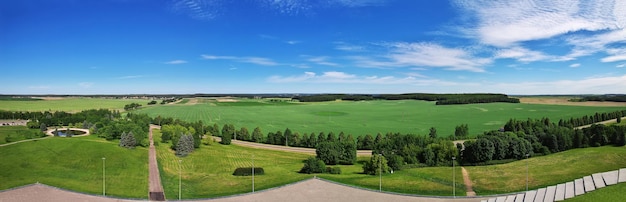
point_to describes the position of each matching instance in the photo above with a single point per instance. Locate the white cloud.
(322, 60)
(427, 55)
(507, 22)
(252, 60)
(85, 84)
(615, 55)
(575, 65)
(197, 9)
(522, 54)
(131, 77)
(335, 77)
(621, 65)
(175, 62)
(343, 46)
(293, 42)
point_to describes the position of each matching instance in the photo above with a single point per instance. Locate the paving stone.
(519, 197)
(589, 186)
(598, 181)
(483, 201)
(622, 175)
(559, 195)
(541, 194)
(550, 191)
(530, 196)
(579, 186)
(501, 199)
(569, 190)
(510, 198)
(610, 178)
(492, 200)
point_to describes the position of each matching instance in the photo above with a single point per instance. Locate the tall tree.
(185, 145)
(257, 135)
(433, 132)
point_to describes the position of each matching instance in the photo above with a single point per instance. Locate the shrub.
(333, 170)
(313, 165)
(247, 171)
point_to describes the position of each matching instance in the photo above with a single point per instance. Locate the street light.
(380, 168)
(252, 173)
(453, 178)
(179, 179)
(103, 176)
(527, 155)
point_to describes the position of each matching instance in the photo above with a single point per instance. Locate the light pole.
(180, 161)
(252, 173)
(527, 155)
(453, 179)
(380, 174)
(104, 182)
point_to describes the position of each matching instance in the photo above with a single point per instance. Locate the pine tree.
(128, 140)
(185, 145)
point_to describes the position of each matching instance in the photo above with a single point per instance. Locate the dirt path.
(284, 148)
(602, 122)
(155, 187)
(468, 183)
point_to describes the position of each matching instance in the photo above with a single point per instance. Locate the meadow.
(17, 133)
(73, 104)
(365, 117)
(76, 164)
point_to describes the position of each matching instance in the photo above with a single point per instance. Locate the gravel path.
(469, 191)
(284, 148)
(155, 187)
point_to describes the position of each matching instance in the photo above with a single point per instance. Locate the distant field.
(546, 170)
(564, 100)
(76, 164)
(366, 117)
(67, 104)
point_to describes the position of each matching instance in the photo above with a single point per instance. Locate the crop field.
(76, 164)
(366, 117)
(67, 104)
(546, 170)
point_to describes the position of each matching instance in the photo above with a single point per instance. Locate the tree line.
(441, 99)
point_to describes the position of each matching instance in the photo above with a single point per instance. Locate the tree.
(257, 135)
(375, 165)
(328, 152)
(230, 130)
(243, 134)
(461, 131)
(226, 138)
(43, 127)
(288, 137)
(128, 140)
(618, 119)
(185, 145)
(313, 165)
(433, 132)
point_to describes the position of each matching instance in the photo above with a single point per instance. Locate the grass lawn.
(207, 172)
(546, 170)
(76, 164)
(17, 133)
(68, 104)
(365, 117)
(610, 193)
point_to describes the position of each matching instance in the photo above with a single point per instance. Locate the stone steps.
(566, 190)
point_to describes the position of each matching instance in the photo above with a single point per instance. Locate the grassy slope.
(68, 104)
(546, 170)
(17, 132)
(76, 164)
(370, 117)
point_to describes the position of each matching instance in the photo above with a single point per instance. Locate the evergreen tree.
(433, 132)
(128, 140)
(185, 145)
(257, 135)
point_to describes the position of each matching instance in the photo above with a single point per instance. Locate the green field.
(546, 170)
(17, 133)
(68, 104)
(76, 164)
(366, 117)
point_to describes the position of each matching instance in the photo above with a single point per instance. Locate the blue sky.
(312, 46)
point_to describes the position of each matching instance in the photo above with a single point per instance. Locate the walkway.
(566, 190)
(469, 191)
(155, 189)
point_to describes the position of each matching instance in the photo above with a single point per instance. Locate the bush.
(313, 165)
(333, 170)
(247, 171)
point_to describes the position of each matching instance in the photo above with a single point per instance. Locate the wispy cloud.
(131, 77)
(617, 54)
(322, 60)
(504, 23)
(197, 9)
(85, 84)
(426, 55)
(343, 46)
(293, 42)
(42, 87)
(175, 62)
(575, 65)
(522, 54)
(252, 60)
(346, 78)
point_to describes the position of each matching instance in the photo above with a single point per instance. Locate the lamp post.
(252, 173)
(380, 174)
(180, 161)
(453, 179)
(527, 155)
(104, 176)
